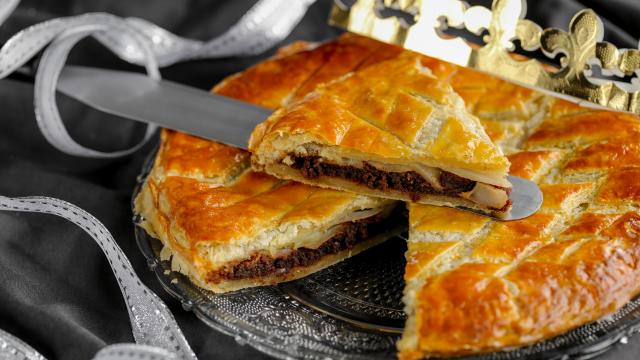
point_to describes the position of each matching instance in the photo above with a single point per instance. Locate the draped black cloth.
(57, 291)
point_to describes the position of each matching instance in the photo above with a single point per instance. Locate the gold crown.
(418, 25)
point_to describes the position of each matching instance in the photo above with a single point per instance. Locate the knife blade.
(201, 113)
(165, 103)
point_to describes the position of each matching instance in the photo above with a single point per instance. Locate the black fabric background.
(56, 289)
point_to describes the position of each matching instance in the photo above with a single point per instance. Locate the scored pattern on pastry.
(473, 284)
(515, 283)
(391, 129)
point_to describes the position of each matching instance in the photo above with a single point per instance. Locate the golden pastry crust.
(489, 97)
(533, 165)
(583, 129)
(392, 113)
(600, 158)
(298, 68)
(187, 155)
(560, 107)
(621, 187)
(216, 216)
(589, 224)
(474, 285)
(381, 111)
(516, 283)
(506, 134)
(350, 53)
(298, 63)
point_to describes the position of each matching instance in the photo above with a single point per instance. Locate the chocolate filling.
(409, 182)
(350, 234)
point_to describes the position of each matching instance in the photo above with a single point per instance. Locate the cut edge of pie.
(228, 227)
(389, 130)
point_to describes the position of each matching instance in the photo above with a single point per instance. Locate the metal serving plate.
(352, 310)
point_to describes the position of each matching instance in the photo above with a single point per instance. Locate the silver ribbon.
(133, 352)
(12, 348)
(151, 321)
(136, 41)
(6, 8)
(266, 24)
(52, 62)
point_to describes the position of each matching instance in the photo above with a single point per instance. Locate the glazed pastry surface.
(473, 284)
(394, 122)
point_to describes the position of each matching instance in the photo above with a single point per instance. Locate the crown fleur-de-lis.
(581, 47)
(505, 17)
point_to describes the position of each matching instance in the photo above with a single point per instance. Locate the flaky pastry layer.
(229, 226)
(393, 113)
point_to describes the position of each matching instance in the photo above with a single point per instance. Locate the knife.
(171, 105)
(168, 104)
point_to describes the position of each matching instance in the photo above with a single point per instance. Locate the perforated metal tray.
(352, 310)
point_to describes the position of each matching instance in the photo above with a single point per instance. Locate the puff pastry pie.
(475, 285)
(391, 129)
(228, 227)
